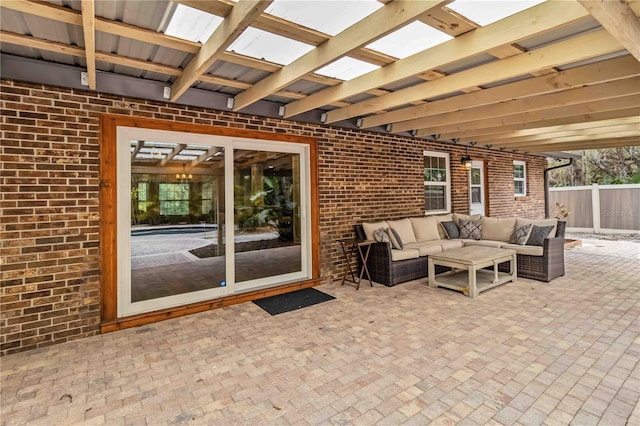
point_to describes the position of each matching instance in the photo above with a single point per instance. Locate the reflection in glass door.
(267, 217)
(476, 184)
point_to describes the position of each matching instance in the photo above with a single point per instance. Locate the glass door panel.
(267, 216)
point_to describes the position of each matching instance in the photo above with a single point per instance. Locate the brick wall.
(49, 206)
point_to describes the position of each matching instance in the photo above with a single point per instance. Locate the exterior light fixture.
(466, 161)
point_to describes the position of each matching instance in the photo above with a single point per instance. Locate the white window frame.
(446, 184)
(522, 179)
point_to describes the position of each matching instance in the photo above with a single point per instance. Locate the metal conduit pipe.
(546, 184)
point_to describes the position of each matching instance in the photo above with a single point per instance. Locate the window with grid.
(174, 199)
(437, 182)
(207, 197)
(520, 178)
(143, 195)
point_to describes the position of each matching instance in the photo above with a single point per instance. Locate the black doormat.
(291, 301)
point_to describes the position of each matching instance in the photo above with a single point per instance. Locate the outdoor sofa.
(390, 264)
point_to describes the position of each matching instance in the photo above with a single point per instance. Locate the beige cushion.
(442, 218)
(404, 229)
(528, 250)
(425, 228)
(457, 216)
(539, 222)
(497, 229)
(370, 228)
(484, 243)
(450, 244)
(404, 254)
(427, 248)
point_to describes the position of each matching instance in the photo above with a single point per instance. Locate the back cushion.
(539, 222)
(497, 229)
(404, 229)
(425, 228)
(370, 228)
(442, 218)
(458, 216)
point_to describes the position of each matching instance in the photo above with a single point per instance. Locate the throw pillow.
(538, 234)
(396, 241)
(520, 235)
(470, 229)
(450, 229)
(381, 236)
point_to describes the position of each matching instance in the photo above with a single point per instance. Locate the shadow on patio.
(526, 353)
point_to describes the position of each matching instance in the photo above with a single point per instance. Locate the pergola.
(560, 75)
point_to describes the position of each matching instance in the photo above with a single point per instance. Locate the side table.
(361, 248)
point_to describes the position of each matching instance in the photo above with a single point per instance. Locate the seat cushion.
(370, 227)
(484, 243)
(497, 229)
(450, 244)
(404, 229)
(528, 250)
(405, 254)
(426, 248)
(425, 228)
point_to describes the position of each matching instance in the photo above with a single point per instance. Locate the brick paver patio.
(527, 353)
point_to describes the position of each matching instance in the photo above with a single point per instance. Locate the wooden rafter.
(617, 17)
(89, 32)
(239, 18)
(613, 69)
(374, 26)
(612, 89)
(572, 50)
(629, 103)
(178, 148)
(592, 133)
(541, 18)
(580, 145)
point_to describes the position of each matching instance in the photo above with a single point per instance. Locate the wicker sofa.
(390, 266)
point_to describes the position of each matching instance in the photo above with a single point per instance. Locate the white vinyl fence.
(599, 208)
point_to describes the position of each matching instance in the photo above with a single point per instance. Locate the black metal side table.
(354, 247)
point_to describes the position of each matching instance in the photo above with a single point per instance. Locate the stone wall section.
(49, 203)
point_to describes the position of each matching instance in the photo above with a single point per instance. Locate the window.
(174, 199)
(437, 182)
(520, 178)
(207, 197)
(143, 196)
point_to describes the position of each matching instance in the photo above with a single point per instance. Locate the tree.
(602, 166)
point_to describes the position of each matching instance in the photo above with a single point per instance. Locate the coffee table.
(472, 259)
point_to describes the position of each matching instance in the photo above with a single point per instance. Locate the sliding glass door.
(176, 192)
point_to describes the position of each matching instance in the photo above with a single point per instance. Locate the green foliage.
(609, 166)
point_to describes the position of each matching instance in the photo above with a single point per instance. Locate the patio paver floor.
(525, 353)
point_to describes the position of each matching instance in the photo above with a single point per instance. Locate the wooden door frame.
(108, 219)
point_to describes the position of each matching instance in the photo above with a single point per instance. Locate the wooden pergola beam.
(536, 20)
(616, 104)
(612, 69)
(617, 17)
(614, 142)
(597, 133)
(378, 24)
(578, 48)
(89, 32)
(609, 90)
(486, 134)
(239, 18)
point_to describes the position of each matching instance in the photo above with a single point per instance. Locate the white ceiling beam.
(380, 23)
(575, 49)
(612, 89)
(172, 154)
(239, 18)
(89, 32)
(139, 146)
(536, 20)
(617, 17)
(588, 74)
(615, 104)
